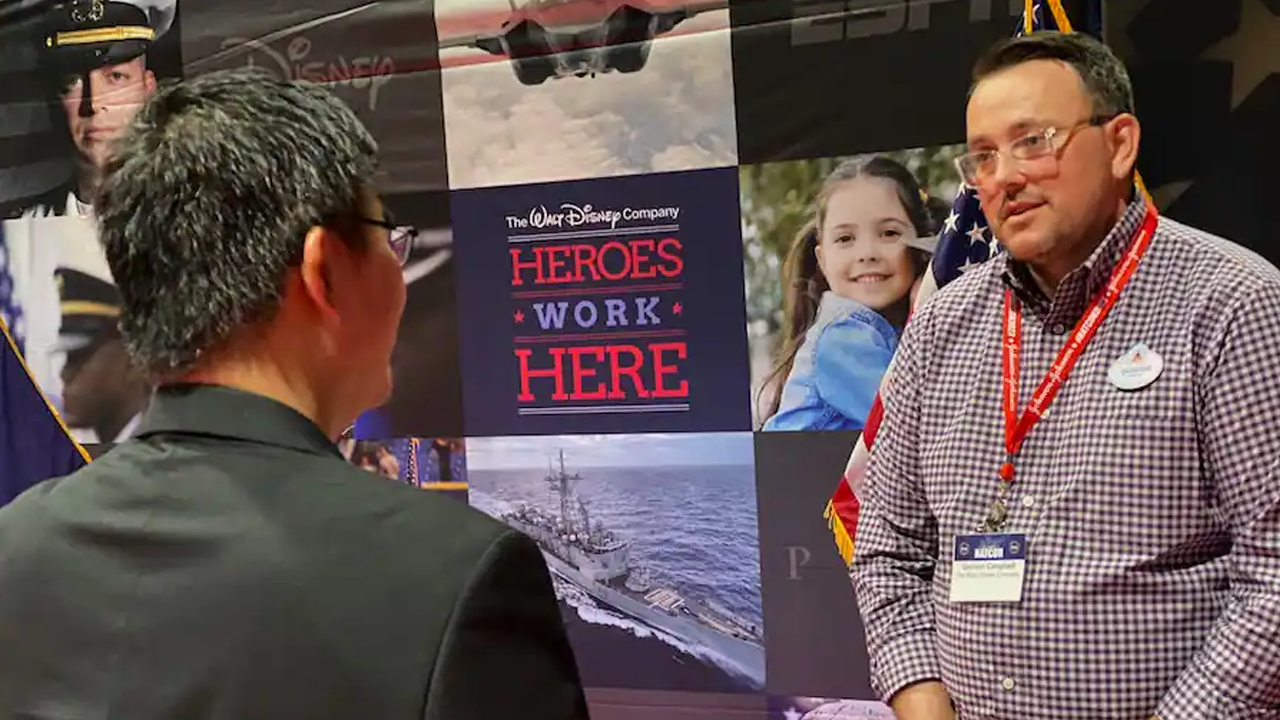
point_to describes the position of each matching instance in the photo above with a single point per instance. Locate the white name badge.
(1136, 369)
(988, 568)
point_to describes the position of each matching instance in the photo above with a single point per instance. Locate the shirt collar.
(127, 431)
(224, 412)
(1079, 286)
(831, 306)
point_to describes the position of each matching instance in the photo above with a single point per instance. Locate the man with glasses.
(1072, 505)
(400, 238)
(226, 562)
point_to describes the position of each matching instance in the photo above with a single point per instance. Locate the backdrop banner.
(631, 308)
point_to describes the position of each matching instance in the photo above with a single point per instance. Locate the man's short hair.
(1104, 76)
(206, 201)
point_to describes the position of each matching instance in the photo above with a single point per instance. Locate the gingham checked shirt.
(1153, 526)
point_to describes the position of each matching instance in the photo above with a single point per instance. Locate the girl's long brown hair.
(803, 281)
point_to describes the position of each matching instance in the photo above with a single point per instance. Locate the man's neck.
(110, 429)
(87, 181)
(1048, 274)
(271, 380)
(1046, 286)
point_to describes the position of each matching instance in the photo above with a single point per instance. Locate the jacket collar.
(224, 412)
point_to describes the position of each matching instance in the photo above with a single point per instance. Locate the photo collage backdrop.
(641, 301)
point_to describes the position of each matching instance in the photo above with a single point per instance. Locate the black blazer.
(228, 564)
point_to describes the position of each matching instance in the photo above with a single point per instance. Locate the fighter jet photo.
(557, 39)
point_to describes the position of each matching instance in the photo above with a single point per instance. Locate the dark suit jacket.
(228, 564)
(53, 200)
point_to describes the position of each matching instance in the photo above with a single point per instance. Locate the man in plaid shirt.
(1071, 509)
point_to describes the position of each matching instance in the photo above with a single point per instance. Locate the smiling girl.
(850, 276)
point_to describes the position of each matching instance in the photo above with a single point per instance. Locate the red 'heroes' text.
(582, 262)
(606, 372)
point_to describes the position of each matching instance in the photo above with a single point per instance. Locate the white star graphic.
(977, 234)
(791, 714)
(952, 219)
(1252, 50)
(993, 246)
(967, 265)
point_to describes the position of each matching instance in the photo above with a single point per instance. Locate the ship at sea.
(599, 561)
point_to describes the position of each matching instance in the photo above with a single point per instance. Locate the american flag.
(10, 309)
(34, 443)
(963, 242)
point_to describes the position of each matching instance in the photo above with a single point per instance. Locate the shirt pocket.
(1152, 410)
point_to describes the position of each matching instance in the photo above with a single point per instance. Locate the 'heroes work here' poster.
(610, 305)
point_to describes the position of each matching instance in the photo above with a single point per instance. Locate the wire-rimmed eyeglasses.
(978, 166)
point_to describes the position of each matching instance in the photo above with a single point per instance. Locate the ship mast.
(562, 481)
(586, 518)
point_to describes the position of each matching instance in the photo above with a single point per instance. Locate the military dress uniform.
(77, 38)
(90, 309)
(90, 314)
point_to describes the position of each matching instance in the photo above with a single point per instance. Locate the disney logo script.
(572, 216)
(369, 72)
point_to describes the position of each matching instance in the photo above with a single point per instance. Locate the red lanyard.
(1015, 427)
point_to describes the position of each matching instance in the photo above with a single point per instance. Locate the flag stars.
(1037, 19)
(518, 316)
(977, 234)
(951, 223)
(1250, 49)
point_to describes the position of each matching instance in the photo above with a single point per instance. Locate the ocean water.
(693, 527)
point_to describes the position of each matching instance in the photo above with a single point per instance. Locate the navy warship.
(598, 561)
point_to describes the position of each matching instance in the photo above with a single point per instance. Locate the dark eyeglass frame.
(399, 237)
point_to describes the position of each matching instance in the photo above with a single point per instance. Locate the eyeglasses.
(399, 237)
(979, 166)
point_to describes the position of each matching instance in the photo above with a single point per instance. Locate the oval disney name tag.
(1137, 368)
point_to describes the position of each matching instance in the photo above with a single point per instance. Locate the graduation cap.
(84, 35)
(90, 309)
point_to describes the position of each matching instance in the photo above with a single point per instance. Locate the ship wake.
(593, 612)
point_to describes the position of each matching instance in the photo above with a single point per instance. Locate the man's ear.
(1126, 134)
(318, 250)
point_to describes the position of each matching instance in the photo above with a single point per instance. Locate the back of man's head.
(208, 198)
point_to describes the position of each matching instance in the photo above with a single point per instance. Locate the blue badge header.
(1004, 546)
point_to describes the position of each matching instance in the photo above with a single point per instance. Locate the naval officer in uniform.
(102, 389)
(94, 59)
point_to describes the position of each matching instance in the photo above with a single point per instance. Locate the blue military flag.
(34, 444)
